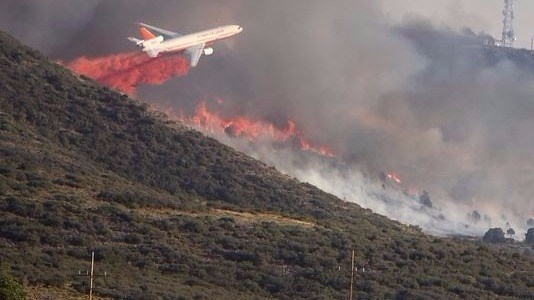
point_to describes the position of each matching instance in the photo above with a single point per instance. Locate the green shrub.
(10, 289)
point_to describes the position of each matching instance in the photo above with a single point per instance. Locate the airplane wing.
(195, 52)
(164, 32)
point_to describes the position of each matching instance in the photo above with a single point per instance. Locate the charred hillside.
(171, 213)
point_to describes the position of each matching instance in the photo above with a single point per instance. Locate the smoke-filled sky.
(383, 86)
(479, 15)
(51, 25)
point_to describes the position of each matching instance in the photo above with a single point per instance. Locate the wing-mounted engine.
(208, 51)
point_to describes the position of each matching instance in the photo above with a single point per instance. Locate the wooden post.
(351, 275)
(92, 273)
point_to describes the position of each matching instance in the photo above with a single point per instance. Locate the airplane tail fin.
(146, 34)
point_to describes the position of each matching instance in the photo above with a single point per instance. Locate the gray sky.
(479, 15)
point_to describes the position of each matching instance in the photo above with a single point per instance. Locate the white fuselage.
(206, 37)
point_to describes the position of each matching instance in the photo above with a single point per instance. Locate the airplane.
(194, 44)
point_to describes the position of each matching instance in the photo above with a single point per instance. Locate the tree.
(383, 177)
(10, 289)
(425, 199)
(494, 235)
(529, 237)
(474, 216)
(510, 232)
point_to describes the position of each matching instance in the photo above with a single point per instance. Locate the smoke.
(435, 106)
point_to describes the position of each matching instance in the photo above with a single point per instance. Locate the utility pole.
(354, 271)
(91, 275)
(351, 275)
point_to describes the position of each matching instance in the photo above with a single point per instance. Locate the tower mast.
(508, 35)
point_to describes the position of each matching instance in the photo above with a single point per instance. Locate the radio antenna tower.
(508, 36)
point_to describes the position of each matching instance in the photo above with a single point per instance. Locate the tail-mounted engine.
(208, 51)
(150, 42)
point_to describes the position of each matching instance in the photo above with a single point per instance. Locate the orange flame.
(125, 71)
(254, 130)
(413, 191)
(395, 177)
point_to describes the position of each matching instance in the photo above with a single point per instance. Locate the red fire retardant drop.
(125, 71)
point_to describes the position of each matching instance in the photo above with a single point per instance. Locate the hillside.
(173, 214)
(476, 50)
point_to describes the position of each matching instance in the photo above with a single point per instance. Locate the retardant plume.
(125, 71)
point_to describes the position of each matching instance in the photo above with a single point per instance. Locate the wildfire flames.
(254, 130)
(394, 176)
(125, 71)
(407, 189)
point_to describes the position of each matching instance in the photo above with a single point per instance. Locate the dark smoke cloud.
(436, 106)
